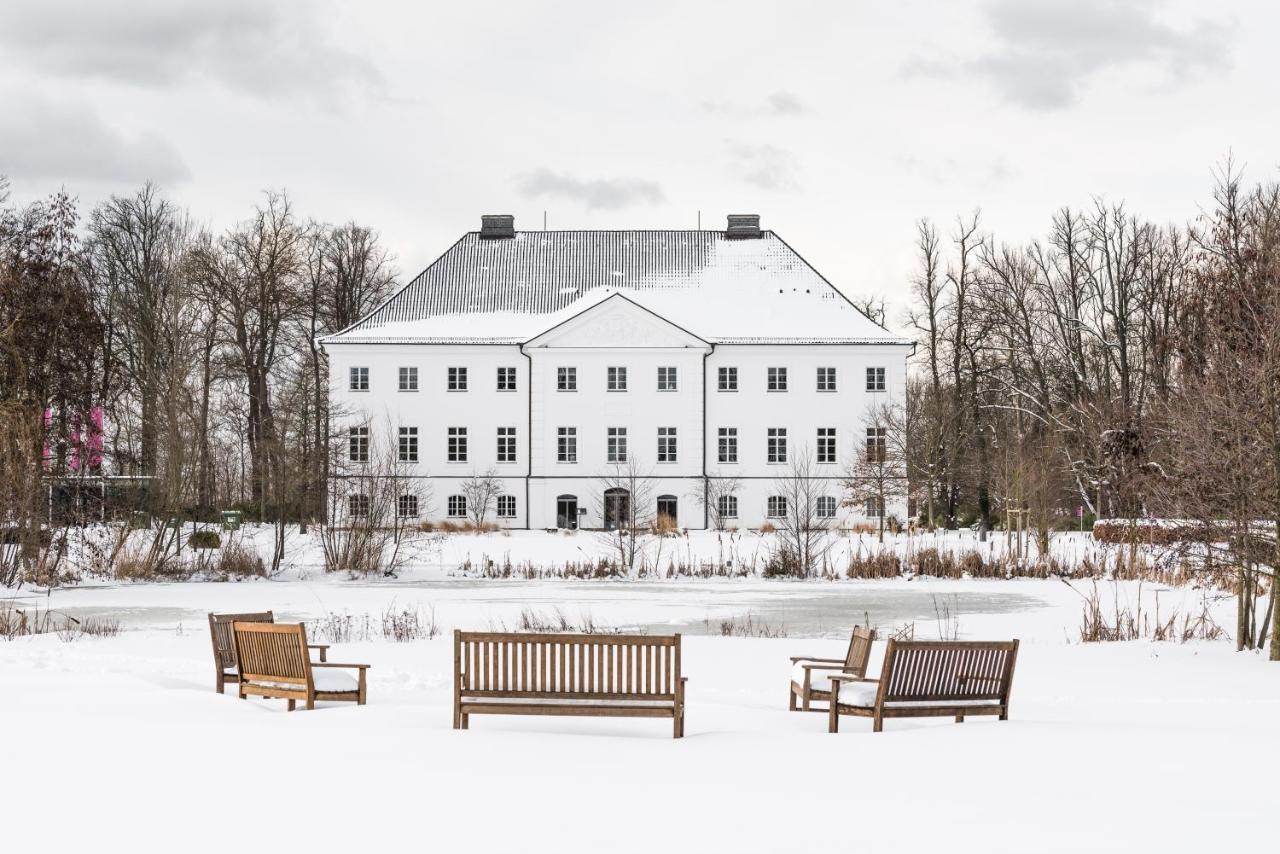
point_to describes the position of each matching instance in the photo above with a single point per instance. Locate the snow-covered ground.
(121, 741)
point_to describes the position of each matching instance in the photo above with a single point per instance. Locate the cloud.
(766, 166)
(263, 47)
(1046, 52)
(64, 142)
(779, 104)
(594, 193)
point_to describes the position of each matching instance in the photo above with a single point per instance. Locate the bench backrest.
(555, 666)
(859, 655)
(273, 652)
(947, 670)
(224, 644)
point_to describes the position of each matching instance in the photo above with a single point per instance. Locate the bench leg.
(221, 682)
(678, 724)
(464, 720)
(292, 705)
(959, 719)
(791, 694)
(878, 722)
(833, 718)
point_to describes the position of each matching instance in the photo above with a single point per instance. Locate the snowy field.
(1111, 747)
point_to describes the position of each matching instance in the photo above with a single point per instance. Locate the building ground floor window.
(601, 502)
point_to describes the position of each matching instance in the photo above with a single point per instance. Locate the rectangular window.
(407, 506)
(408, 444)
(358, 505)
(777, 379)
(727, 506)
(728, 379)
(877, 444)
(666, 379)
(567, 445)
(359, 379)
(456, 506)
(506, 379)
(617, 379)
(457, 445)
(566, 379)
(826, 444)
(358, 444)
(777, 444)
(826, 379)
(875, 379)
(728, 445)
(506, 444)
(616, 442)
(408, 379)
(777, 507)
(872, 507)
(826, 507)
(666, 444)
(457, 379)
(506, 506)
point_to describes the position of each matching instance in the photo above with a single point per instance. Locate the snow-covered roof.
(724, 290)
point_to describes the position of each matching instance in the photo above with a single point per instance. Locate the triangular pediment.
(617, 322)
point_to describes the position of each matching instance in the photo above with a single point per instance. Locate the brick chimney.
(743, 226)
(497, 226)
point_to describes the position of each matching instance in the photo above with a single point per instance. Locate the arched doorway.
(617, 508)
(567, 511)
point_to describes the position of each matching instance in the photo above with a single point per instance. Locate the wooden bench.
(273, 663)
(809, 676)
(930, 679)
(497, 673)
(224, 645)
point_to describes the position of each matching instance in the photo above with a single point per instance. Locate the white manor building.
(557, 359)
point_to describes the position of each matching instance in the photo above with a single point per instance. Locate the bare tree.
(252, 279)
(877, 473)
(713, 495)
(481, 491)
(803, 528)
(625, 495)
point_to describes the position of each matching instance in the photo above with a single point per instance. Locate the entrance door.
(617, 508)
(667, 513)
(567, 512)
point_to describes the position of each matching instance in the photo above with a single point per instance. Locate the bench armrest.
(322, 647)
(850, 677)
(336, 664)
(796, 659)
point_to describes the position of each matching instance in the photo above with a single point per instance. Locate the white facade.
(672, 433)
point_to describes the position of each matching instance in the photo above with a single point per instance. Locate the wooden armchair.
(224, 647)
(810, 677)
(273, 663)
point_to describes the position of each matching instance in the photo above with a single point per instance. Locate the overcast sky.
(841, 123)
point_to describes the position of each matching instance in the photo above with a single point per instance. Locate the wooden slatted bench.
(930, 679)
(273, 663)
(498, 673)
(809, 675)
(224, 645)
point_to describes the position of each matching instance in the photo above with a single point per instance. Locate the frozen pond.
(800, 609)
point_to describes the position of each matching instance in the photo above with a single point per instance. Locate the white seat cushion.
(818, 681)
(542, 701)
